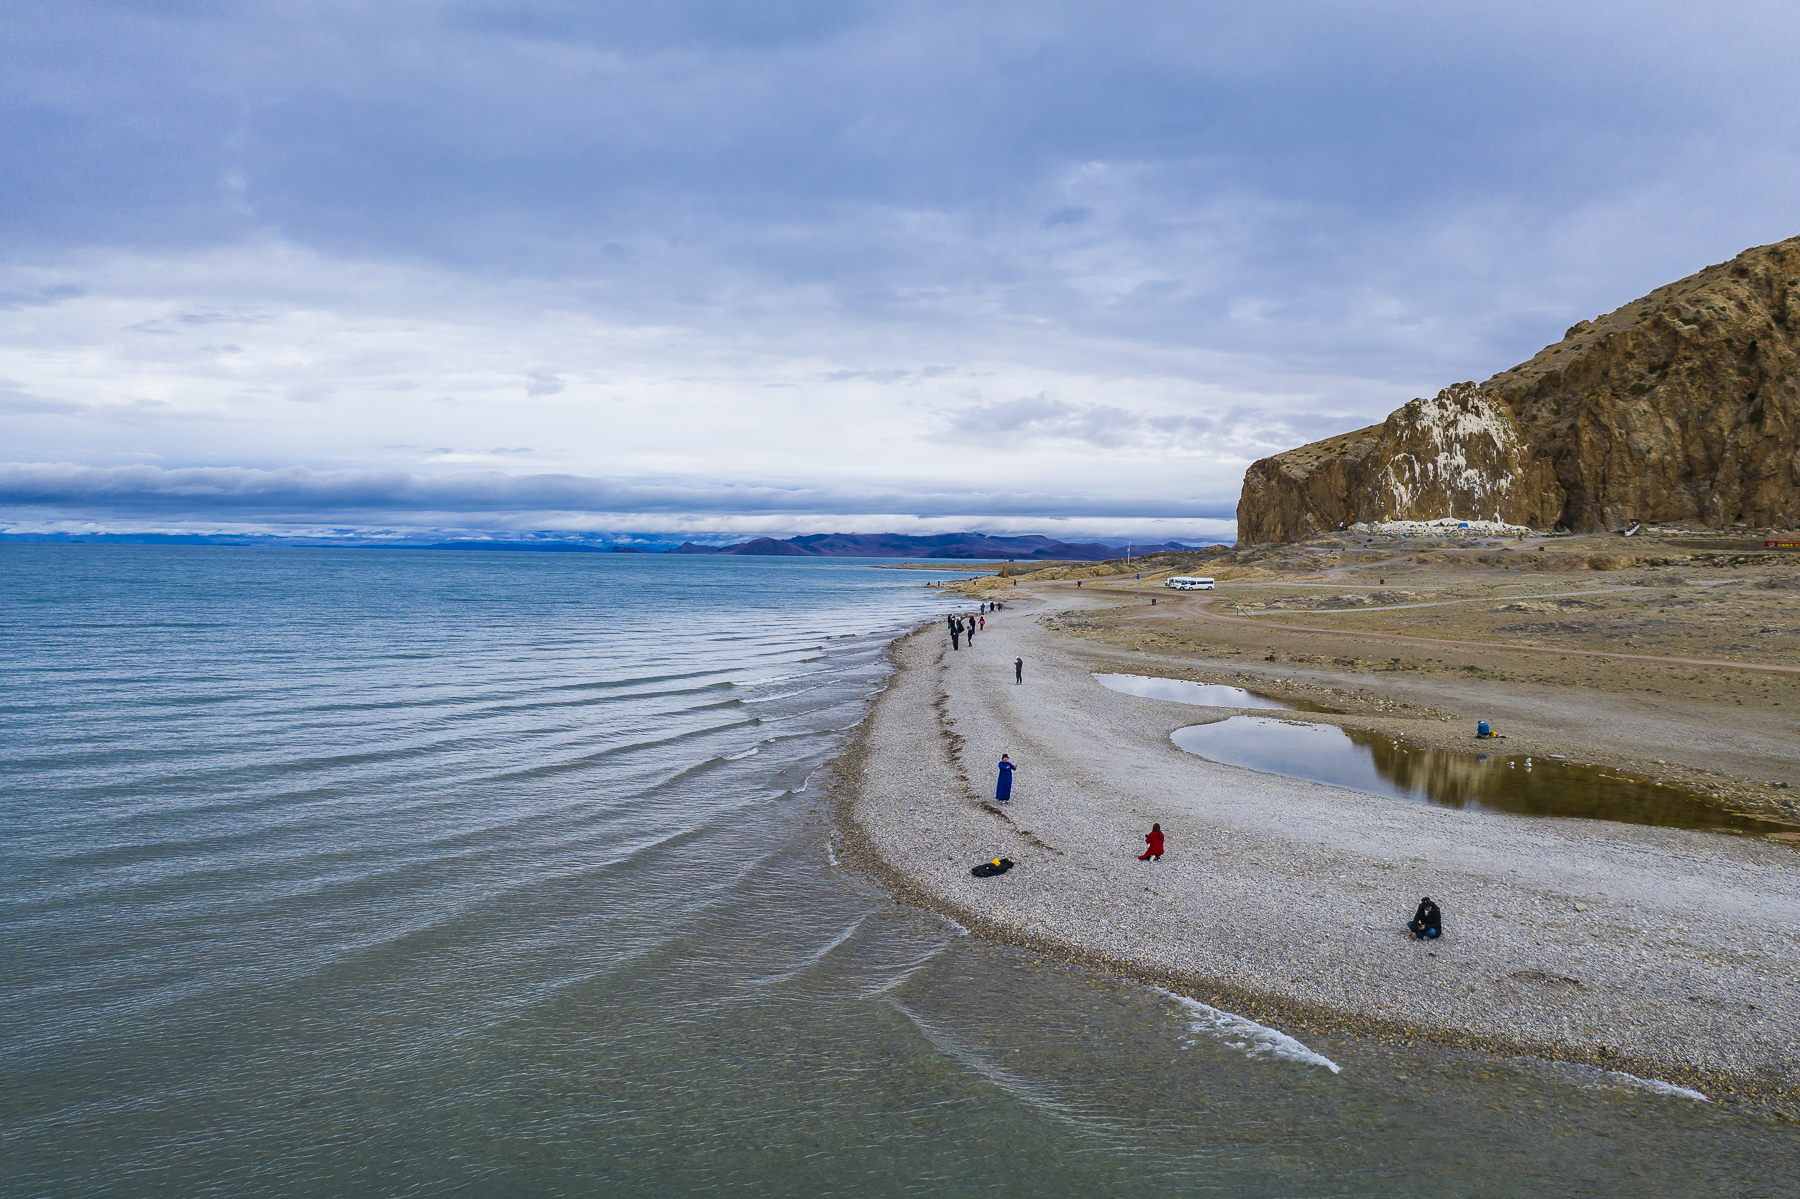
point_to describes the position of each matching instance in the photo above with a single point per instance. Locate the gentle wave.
(1594, 1078)
(634, 680)
(1253, 1040)
(587, 761)
(780, 695)
(814, 959)
(1005, 1080)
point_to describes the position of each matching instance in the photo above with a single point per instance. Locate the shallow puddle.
(1505, 782)
(1211, 695)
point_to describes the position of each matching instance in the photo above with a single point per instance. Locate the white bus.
(1184, 583)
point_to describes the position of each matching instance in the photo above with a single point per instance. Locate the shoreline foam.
(1254, 1040)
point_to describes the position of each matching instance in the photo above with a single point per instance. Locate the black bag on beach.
(990, 869)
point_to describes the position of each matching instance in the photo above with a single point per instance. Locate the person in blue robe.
(1003, 788)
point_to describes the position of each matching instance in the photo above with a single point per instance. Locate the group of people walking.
(967, 626)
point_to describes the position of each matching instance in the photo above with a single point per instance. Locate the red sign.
(1781, 545)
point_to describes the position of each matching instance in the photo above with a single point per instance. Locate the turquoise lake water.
(359, 872)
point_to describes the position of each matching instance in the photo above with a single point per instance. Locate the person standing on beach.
(956, 636)
(1003, 787)
(1154, 840)
(984, 624)
(1018, 671)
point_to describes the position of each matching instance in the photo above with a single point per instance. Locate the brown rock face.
(1681, 406)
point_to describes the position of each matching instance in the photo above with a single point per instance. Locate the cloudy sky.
(800, 267)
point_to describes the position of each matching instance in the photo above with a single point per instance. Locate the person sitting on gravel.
(1154, 839)
(1427, 922)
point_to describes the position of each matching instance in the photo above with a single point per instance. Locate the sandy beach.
(1666, 953)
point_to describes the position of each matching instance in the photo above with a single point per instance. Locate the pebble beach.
(1665, 953)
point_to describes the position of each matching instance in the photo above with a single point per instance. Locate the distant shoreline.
(952, 548)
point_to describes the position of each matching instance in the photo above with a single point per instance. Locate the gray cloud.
(889, 375)
(216, 318)
(301, 495)
(17, 400)
(1033, 419)
(181, 321)
(35, 297)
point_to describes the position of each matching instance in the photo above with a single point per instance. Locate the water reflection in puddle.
(1376, 763)
(1211, 695)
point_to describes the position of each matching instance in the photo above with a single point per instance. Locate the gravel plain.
(1666, 953)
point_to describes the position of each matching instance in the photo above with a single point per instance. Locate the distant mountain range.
(955, 546)
(944, 545)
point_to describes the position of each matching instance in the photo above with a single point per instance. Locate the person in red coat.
(1153, 839)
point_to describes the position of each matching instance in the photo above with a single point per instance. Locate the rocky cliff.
(1680, 406)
